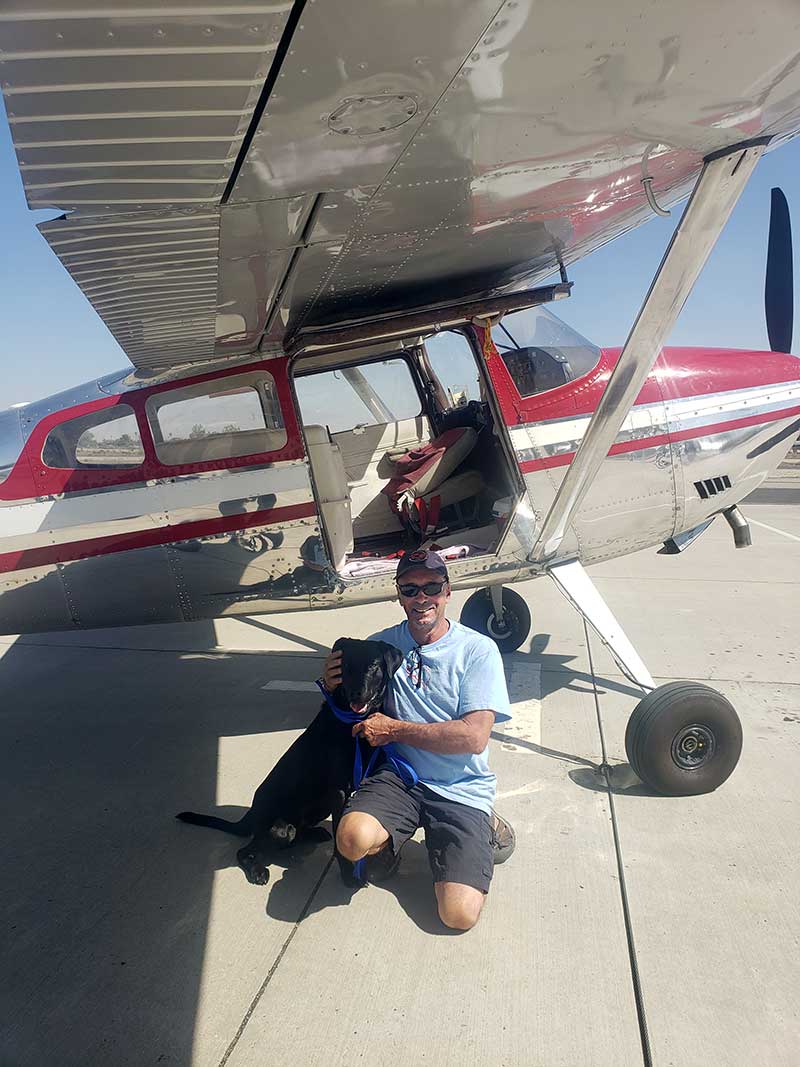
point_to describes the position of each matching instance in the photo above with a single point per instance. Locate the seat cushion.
(452, 491)
(423, 469)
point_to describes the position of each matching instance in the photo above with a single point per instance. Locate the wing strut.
(721, 180)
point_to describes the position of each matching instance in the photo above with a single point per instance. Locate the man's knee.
(459, 905)
(359, 834)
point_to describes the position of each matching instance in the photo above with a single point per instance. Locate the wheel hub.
(498, 628)
(693, 746)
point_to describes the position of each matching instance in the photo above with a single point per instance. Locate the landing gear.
(499, 613)
(683, 739)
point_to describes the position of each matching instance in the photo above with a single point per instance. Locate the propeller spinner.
(779, 285)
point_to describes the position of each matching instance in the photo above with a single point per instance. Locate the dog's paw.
(283, 833)
(254, 870)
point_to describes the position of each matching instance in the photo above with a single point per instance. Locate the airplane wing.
(233, 173)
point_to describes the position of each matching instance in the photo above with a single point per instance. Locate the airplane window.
(10, 442)
(235, 416)
(452, 361)
(542, 352)
(104, 439)
(368, 395)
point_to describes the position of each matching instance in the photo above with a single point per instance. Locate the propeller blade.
(779, 285)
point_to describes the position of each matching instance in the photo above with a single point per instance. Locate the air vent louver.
(711, 486)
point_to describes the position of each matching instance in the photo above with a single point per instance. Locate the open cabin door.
(405, 440)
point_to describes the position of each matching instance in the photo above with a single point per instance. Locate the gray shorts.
(458, 837)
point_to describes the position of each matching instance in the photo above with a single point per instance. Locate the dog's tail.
(240, 828)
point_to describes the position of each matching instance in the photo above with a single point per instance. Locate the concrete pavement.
(133, 939)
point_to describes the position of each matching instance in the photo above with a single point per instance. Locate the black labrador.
(314, 777)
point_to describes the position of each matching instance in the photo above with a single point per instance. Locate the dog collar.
(350, 717)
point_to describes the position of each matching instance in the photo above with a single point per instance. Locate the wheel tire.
(479, 615)
(683, 739)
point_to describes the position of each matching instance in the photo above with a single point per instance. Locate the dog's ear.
(339, 643)
(392, 657)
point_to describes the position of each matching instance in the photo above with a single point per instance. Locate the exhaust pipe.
(738, 523)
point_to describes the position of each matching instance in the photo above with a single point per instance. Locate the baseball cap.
(421, 558)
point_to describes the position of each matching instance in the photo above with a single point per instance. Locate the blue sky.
(52, 339)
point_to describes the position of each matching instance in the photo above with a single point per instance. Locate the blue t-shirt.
(460, 672)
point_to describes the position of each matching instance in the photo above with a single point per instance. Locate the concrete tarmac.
(133, 939)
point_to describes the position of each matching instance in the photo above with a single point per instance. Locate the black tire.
(508, 635)
(683, 739)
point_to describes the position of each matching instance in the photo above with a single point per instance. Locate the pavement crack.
(254, 1002)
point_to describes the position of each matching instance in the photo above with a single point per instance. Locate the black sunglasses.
(429, 588)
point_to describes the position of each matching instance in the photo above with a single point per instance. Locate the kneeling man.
(445, 698)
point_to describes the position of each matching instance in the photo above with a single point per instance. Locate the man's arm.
(469, 734)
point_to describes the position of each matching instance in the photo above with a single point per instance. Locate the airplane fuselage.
(150, 542)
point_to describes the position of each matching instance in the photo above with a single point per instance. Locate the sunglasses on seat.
(429, 588)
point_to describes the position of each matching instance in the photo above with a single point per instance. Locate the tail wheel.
(509, 632)
(683, 739)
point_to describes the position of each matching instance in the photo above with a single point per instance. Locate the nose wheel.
(683, 739)
(499, 613)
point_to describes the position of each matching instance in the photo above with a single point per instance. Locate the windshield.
(542, 352)
(10, 441)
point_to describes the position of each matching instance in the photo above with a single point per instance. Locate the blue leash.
(402, 767)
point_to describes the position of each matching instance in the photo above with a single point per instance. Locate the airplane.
(322, 234)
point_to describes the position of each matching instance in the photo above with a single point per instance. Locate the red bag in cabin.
(412, 467)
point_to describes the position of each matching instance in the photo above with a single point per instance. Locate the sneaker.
(504, 840)
(380, 867)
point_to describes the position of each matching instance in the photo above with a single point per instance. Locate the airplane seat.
(330, 479)
(428, 472)
(366, 450)
(456, 489)
(428, 467)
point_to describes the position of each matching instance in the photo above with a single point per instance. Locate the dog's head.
(367, 668)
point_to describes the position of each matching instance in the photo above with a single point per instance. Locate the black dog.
(314, 776)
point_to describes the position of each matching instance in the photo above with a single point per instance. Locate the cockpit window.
(101, 440)
(10, 442)
(541, 352)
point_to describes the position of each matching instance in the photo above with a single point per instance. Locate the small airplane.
(325, 259)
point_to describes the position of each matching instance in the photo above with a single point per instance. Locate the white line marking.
(286, 685)
(763, 525)
(531, 787)
(525, 693)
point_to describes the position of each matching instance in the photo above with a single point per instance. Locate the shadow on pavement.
(622, 779)
(105, 896)
(412, 886)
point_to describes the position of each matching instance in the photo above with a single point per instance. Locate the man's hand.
(332, 675)
(377, 729)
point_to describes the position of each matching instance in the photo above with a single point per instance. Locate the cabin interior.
(404, 451)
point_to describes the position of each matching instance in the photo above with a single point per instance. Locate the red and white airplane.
(321, 232)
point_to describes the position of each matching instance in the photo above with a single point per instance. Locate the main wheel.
(507, 633)
(683, 739)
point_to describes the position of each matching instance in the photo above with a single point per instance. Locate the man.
(445, 699)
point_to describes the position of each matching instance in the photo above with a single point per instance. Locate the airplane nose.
(722, 370)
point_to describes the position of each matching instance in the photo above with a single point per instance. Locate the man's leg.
(458, 839)
(378, 817)
(459, 905)
(360, 835)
